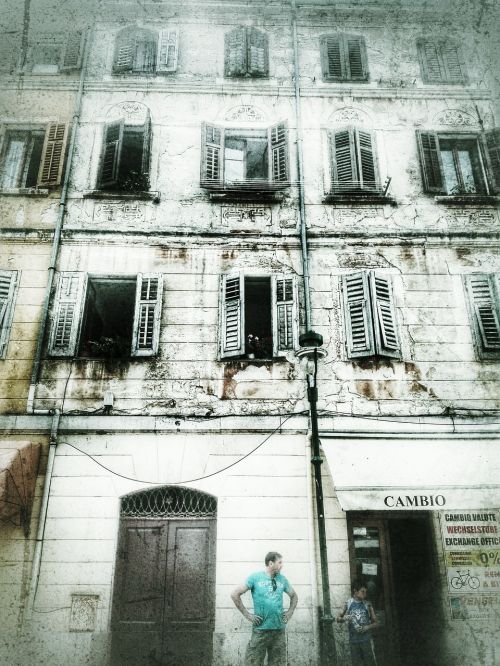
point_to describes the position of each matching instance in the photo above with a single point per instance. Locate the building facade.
(185, 191)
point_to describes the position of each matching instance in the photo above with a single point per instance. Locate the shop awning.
(371, 474)
(18, 470)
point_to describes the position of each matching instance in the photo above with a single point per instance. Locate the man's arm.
(293, 604)
(236, 597)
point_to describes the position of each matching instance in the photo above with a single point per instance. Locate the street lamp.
(310, 351)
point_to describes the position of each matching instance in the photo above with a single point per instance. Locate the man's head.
(359, 590)
(273, 562)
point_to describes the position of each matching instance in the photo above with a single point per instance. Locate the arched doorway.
(163, 600)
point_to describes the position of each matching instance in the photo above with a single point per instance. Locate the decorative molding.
(246, 214)
(349, 115)
(127, 212)
(130, 110)
(245, 112)
(455, 117)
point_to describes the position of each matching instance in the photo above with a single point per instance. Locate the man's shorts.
(272, 641)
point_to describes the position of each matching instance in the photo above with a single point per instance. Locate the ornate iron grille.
(169, 501)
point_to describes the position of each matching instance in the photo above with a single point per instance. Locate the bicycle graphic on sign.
(463, 579)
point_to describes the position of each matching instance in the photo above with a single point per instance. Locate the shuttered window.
(147, 315)
(492, 142)
(53, 53)
(8, 287)
(246, 53)
(369, 316)
(441, 61)
(482, 291)
(66, 313)
(139, 51)
(125, 157)
(353, 161)
(343, 58)
(259, 317)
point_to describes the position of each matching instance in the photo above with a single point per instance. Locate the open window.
(484, 308)
(54, 53)
(106, 317)
(8, 287)
(354, 167)
(142, 51)
(258, 316)
(33, 157)
(245, 159)
(125, 157)
(441, 61)
(457, 164)
(369, 316)
(343, 58)
(246, 53)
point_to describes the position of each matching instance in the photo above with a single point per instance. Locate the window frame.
(71, 48)
(166, 51)
(442, 62)
(491, 282)
(242, 39)
(7, 306)
(356, 165)
(342, 40)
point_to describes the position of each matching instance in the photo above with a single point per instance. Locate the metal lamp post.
(310, 350)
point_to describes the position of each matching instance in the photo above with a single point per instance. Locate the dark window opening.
(108, 318)
(246, 156)
(462, 169)
(22, 158)
(258, 323)
(130, 172)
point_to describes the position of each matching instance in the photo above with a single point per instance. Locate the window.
(343, 58)
(146, 51)
(369, 316)
(453, 164)
(259, 316)
(106, 317)
(125, 157)
(246, 53)
(33, 157)
(56, 53)
(440, 61)
(8, 287)
(245, 158)
(484, 307)
(353, 161)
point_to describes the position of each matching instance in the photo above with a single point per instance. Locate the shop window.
(54, 53)
(456, 164)
(354, 166)
(369, 316)
(246, 53)
(8, 288)
(125, 156)
(343, 58)
(441, 61)
(33, 157)
(259, 316)
(245, 158)
(484, 308)
(142, 51)
(106, 317)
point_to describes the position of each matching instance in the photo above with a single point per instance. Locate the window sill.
(270, 192)
(359, 198)
(128, 196)
(25, 191)
(471, 199)
(245, 360)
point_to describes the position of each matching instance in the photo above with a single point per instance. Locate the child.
(360, 615)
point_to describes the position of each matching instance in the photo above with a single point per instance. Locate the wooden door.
(163, 606)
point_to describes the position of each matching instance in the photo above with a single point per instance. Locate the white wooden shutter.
(235, 52)
(53, 153)
(124, 51)
(73, 51)
(8, 284)
(278, 152)
(492, 141)
(367, 167)
(258, 52)
(430, 161)
(486, 310)
(358, 315)
(168, 51)
(212, 166)
(111, 153)
(147, 315)
(66, 313)
(233, 316)
(146, 147)
(384, 316)
(284, 313)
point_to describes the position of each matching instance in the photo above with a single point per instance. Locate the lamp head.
(310, 339)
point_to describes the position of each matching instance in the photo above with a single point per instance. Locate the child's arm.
(341, 617)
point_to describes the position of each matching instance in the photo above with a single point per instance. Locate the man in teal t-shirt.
(268, 618)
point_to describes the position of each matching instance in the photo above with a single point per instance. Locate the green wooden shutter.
(355, 57)
(235, 52)
(343, 159)
(358, 315)
(384, 316)
(430, 161)
(66, 314)
(486, 311)
(53, 153)
(73, 51)
(233, 316)
(8, 285)
(147, 316)
(450, 55)
(278, 151)
(492, 140)
(168, 51)
(146, 147)
(111, 153)
(284, 314)
(430, 61)
(258, 53)
(332, 58)
(124, 51)
(212, 167)
(367, 168)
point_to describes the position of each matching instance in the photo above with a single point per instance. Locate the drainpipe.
(35, 371)
(37, 553)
